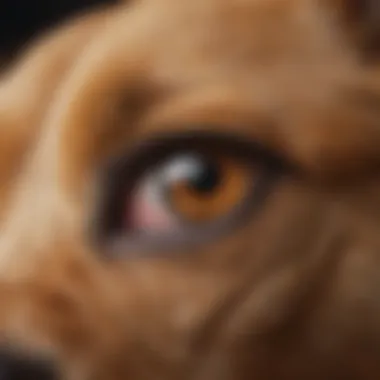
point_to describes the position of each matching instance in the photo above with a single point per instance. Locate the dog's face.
(190, 191)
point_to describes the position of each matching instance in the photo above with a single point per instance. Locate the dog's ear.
(360, 21)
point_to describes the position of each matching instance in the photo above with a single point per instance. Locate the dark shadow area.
(22, 20)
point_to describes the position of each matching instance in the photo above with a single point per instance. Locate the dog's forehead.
(273, 46)
(202, 39)
(285, 55)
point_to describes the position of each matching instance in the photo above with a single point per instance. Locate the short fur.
(292, 294)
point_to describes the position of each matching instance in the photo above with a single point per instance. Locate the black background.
(21, 20)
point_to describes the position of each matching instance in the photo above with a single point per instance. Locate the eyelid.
(165, 144)
(119, 175)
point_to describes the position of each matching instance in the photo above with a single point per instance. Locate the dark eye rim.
(119, 175)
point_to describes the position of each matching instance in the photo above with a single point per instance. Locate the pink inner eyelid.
(147, 211)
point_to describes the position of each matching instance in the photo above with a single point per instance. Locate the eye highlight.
(181, 190)
(188, 190)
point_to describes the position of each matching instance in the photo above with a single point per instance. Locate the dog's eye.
(182, 190)
(188, 190)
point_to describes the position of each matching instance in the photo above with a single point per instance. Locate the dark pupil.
(205, 178)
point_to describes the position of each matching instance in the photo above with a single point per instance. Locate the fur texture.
(291, 294)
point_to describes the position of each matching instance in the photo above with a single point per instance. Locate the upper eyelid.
(164, 144)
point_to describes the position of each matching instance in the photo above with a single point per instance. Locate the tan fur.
(292, 294)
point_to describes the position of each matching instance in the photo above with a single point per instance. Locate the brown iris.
(206, 188)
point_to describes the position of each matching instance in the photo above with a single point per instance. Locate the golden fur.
(291, 294)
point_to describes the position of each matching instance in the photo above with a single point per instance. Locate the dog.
(189, 190)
